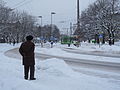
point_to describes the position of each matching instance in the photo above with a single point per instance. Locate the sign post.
(100, 39)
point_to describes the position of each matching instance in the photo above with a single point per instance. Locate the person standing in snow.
(51, 44)
(13, 42)
(27, 51)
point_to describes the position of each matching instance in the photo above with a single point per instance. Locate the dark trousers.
(30, 68)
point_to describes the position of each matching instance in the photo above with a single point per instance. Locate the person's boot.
(26, 78)
(32, 78)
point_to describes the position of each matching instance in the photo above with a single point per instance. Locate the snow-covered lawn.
(51, 74)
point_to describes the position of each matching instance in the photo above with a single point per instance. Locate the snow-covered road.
(96, 53)
(91, 67)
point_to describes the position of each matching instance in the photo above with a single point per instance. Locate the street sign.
(100, 36)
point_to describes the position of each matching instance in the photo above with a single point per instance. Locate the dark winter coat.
(27, 51)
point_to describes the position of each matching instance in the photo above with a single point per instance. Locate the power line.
(19, 3)
(22, 3)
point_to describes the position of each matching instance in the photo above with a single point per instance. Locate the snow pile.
(56, 67)
(91, 47)
(117, 43)
(115, 49)
(110, 49)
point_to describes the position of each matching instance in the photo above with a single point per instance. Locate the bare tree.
(100, 17)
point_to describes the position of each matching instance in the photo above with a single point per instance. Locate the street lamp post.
(41, 25)
(51, 22)
(41, 19)
(41, 33)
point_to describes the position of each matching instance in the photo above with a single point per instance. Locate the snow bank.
(85, 46)
(57, 67)
(115, 49)
(117, 43)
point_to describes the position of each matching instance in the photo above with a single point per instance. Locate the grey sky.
(65, 9)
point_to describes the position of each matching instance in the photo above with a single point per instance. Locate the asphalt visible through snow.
(79, 65)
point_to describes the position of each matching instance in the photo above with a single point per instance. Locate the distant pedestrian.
(68, 44)
(51, 44)
(77, 44)
(27, 51)
(14, 42)
(41, 42)
(10, 42)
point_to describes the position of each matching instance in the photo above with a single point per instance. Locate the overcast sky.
(65, 9)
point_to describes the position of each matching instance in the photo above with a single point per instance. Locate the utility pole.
(40, 27)
(78, 23)
(41, 19)
(70, 29)
(78, 16)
